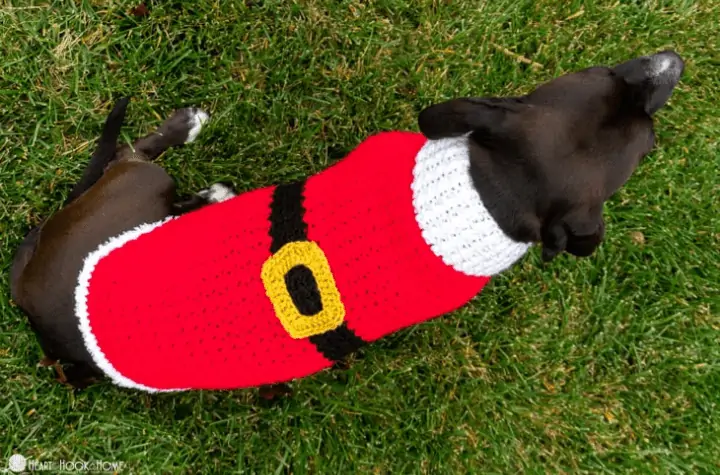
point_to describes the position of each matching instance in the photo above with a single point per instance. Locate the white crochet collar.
(454, 221)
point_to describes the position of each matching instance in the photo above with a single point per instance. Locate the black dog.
(543, 165)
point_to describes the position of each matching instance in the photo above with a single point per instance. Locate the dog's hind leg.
(182, 127)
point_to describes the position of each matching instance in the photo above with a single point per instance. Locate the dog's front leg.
(272, 391)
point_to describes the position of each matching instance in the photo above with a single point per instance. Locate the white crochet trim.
(81, 309)
(453, 219)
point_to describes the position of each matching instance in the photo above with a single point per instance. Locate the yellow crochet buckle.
(273, 273)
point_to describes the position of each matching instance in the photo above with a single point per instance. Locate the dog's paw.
(217, 193)
(274, 391)
(47, 361)
(184, 125)
(198, 118)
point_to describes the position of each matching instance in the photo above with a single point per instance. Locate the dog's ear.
(578, 232)
(461, 116)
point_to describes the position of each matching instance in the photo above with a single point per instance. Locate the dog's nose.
(661, 68)
(665, 67)
(657, 75)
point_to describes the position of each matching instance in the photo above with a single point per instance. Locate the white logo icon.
(17, 463)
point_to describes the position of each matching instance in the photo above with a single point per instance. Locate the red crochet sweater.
(281, 282)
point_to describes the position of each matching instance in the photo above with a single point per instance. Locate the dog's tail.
(104, 152)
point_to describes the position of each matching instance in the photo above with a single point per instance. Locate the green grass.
(603, 365)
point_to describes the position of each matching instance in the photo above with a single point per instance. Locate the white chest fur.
(454, 221)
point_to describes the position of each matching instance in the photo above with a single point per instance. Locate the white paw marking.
(197, 119)
(217, 193)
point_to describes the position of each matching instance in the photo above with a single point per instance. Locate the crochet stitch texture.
(281, 282)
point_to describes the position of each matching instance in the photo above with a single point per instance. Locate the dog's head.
(545, 163)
